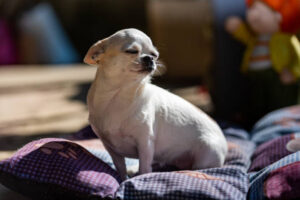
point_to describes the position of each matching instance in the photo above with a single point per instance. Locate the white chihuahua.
(136, 119)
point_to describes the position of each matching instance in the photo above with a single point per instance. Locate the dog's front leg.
(146, 154)
(119, 162)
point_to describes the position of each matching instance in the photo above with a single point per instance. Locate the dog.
(137, 119)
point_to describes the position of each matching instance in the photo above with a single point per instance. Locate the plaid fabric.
(256, 190)
(60, 169)
(64, 169)
(278, 123)
(78, 174)
(227, 182)
(271, 151)
(274, 132)
(58, 165)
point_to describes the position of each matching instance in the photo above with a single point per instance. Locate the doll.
(272, 56)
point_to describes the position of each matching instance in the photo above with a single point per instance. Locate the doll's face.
(263, 19)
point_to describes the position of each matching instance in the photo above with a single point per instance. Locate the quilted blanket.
(262, 164)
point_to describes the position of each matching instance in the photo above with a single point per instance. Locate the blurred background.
(188, 33)
(43, 82)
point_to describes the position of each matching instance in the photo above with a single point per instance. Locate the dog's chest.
(114, 120)
(111, 130)
(121, 143)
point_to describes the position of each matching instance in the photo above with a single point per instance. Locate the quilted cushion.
(259, 179)
(58, 169)
(276, 159)
(272, 151)
(64, 169)
(227, 182)
(277, 123)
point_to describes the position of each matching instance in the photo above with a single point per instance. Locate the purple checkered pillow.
(272, 151)
(58, 169)
(227, 182)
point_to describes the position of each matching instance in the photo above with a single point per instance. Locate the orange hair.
(289, 10)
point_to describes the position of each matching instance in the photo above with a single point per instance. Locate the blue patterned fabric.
(256, 190)
(271, 134)
(275, 124)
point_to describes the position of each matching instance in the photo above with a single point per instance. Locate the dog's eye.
(131, 51)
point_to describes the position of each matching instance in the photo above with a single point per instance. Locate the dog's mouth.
(143, 68)
(148, 68)
(142, 71)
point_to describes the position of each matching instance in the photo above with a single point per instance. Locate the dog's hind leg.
(208, 159)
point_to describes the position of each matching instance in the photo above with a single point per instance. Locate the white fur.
(136, 119)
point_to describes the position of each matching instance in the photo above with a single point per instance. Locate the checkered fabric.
(54, 168)
(101, 153)
(52, 165)
(105, 157)
(227, 182)
(271, 151)
(273, 158)
(275, 124)
(256, 190)
(61, 169)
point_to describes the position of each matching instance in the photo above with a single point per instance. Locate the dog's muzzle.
(148, 63)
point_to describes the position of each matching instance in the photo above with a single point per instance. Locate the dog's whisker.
(159, 64)
(158, 72)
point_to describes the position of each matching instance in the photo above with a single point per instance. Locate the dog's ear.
(92, 57)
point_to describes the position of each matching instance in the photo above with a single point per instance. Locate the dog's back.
(180, 127)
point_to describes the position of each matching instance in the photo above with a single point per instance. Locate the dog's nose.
(148, 63)
(147, 59)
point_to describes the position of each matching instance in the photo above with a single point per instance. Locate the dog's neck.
(106, 88)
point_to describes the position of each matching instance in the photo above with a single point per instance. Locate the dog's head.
(128, 52)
